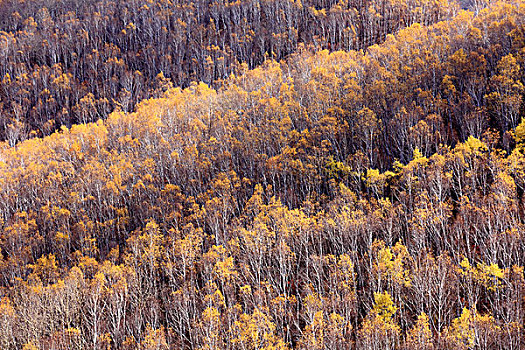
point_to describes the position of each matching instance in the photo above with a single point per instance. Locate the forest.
(349, 176)
(64, 62)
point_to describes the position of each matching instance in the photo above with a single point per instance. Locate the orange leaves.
(45, 270)
(222, 265)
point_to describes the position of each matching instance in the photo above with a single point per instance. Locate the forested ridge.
(65, 61)
(352, 199)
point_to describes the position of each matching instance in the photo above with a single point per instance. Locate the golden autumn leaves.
(68, 64)
(328, 202)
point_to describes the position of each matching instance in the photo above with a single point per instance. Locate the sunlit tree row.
(64, 62)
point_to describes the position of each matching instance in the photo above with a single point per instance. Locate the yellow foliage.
(490, 276)
(154, 339)
(392, 264)
(210, 327)
(379, 328)
(223, 265)
(472, 328)
(256, 331)
(6, 308)
(519, 134)
(420, 336)
(46, 268)
(383, 307)
(29, 346)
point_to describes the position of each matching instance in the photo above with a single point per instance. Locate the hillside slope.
(360, 199)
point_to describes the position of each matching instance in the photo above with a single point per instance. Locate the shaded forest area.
(64, 62)
(368, 199)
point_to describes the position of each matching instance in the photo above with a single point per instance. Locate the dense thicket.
(64, 62)
(354, 199)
